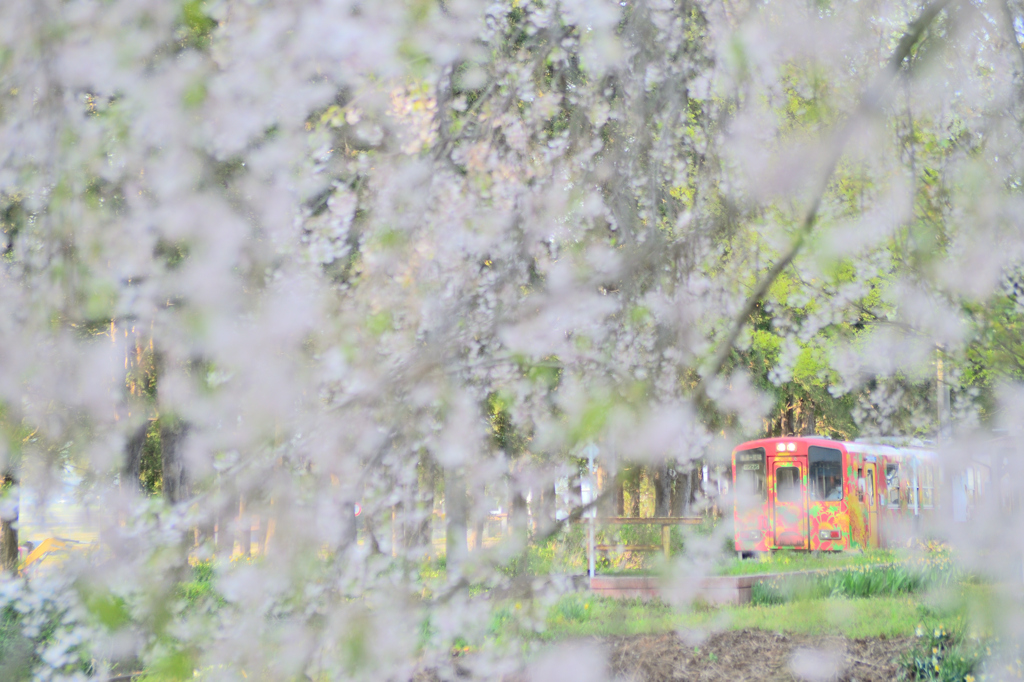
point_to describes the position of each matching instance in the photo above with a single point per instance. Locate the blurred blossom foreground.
(326, 325)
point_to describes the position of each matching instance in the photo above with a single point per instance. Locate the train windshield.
(825, 470)
(750, 477)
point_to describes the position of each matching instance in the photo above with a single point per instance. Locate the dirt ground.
(755, 655)
(733, 656)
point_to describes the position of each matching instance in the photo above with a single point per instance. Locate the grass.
(848, 581)
(866, 575)
(200, 587)
(575, 617)
(854, 618)
(951, 626)
(783, 561)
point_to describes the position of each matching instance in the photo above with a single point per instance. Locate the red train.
(814, 493)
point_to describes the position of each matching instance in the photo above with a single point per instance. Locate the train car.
(817, 494)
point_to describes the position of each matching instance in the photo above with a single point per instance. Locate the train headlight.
(754, 534)
(830, 534)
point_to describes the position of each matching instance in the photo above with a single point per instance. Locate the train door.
(789, 506)
(871, 503)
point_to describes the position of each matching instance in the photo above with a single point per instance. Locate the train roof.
(908, 448)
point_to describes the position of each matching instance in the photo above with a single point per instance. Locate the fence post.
(666, 538)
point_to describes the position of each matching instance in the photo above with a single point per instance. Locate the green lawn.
(888, 616)
(581, 615)
(786, 561)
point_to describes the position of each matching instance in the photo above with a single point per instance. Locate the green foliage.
(17, 652)
(939, 654)
(379, 323)
(535, 560)
(195, 26)
(199, 590)
(570, 609)
(565, 553)
(109, 609)
(795, 369)
(194, 95)
(173, 254)
(172, 663)
(151, 463)
(547, 372)
(27, 629)
(996, 350)
(592, 420)
(13, 218)
(504, 434)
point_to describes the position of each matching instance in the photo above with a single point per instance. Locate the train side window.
(926, 485)
(825, 471)
(892, 483)
(787, 484)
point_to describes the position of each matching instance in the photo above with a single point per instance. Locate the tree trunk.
(518, 518)
(661, 490)
(475, 537)
(788, 427)
(370, 529)
(219, 535)
(548, 507)
(680, 491)
(396, 540)
(620, 496)
(9, 523)
(175, 479)
(225, 545)
(205, 533)
(267, 533)
(455, 507)
(244, 528)
(686, 508)
(133, 458)
(401, 529)
(807, 423)
(632, 486)
(601, 483)
(427, 480)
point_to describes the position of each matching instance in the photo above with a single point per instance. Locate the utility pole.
(588, 494)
